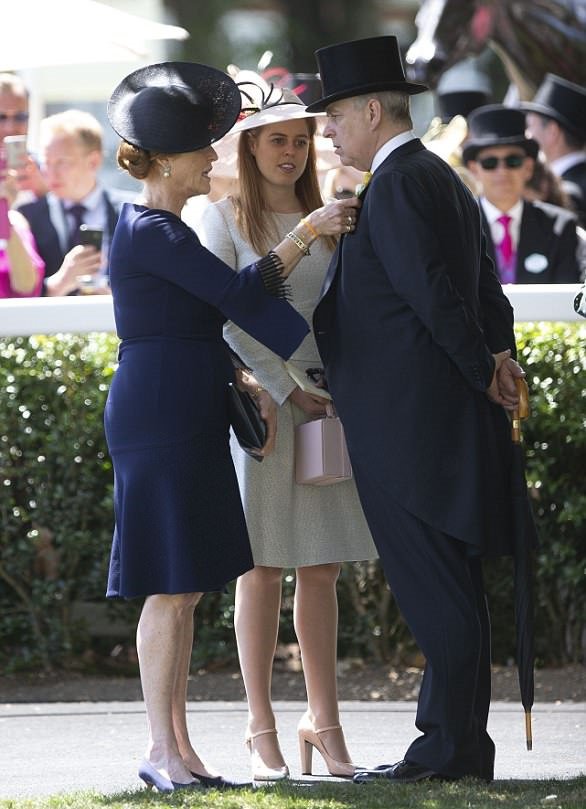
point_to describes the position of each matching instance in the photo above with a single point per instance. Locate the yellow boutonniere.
(361, 187)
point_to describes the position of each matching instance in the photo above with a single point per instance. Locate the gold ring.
(349, 220)
(348, 228)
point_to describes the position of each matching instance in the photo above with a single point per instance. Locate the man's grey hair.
(11, 83)
(395, 105)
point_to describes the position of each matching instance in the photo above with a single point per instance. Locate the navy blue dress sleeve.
(170, 250)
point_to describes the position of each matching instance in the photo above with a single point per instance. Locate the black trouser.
(440, 593)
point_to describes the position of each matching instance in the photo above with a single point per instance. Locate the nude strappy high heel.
(309, 738)
(260, 771)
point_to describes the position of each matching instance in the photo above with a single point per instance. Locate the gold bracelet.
(259, 389)
(298, 242)
(310, 228)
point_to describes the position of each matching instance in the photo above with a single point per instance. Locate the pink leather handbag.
(321, 455)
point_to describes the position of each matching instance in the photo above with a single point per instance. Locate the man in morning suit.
(71, 156)
(556, 118)
(530, 242)
(416, 336)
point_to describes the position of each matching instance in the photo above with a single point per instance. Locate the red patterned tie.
(505, 252)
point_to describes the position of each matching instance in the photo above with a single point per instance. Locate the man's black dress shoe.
(404, 772)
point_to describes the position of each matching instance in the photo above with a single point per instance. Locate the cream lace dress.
(290, 525)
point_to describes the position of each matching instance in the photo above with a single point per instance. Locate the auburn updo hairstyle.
(136, 161)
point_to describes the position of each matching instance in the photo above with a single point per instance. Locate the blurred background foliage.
(56, 520)
(221, 30)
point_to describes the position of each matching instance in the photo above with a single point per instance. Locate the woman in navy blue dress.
(180, 529)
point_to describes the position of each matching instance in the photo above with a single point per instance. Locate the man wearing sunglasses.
(529, 242)
(14, 121)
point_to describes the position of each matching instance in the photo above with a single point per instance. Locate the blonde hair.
(251, 210)
(76, 123)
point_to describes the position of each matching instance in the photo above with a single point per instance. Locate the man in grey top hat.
(556, 118)
(416, 337)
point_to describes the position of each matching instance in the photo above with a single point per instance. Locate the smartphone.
(90, 236)
(15, 149)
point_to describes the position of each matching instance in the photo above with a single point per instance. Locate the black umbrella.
(524, 543)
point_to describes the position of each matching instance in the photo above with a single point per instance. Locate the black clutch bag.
(249, 428)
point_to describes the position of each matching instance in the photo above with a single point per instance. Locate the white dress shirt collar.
(492, 214)
(91, 201)
(390, 146)
(567, 161)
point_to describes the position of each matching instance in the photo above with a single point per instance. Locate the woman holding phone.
(21, 267)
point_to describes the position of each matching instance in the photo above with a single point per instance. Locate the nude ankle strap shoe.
(260, 770)
(309, 738)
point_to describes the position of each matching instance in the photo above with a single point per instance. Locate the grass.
(564, 794)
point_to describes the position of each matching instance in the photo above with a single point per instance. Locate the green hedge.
(56, 514)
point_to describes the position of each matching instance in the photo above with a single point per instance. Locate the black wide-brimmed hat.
(496, 125)
(174, 107)
(563, 101)
(359, 67)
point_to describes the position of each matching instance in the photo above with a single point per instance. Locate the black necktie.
(76, 213)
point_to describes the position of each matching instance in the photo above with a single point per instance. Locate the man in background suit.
(556, 118)
(416, 337)
(71, 156)
(530, 242)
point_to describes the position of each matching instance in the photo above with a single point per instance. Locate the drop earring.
(167, 172)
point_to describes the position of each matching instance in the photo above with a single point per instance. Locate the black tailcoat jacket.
(410, 314)
(547, 252)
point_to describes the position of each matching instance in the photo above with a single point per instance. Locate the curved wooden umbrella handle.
(523, 391)
(521, 411)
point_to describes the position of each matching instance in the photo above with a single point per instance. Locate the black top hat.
(174, 107)
(563, 101)
(461, 102)
(496, 125)
(359, 67)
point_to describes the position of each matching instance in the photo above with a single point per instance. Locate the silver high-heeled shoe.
(260, 771)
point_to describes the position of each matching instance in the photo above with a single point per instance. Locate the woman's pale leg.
(316, 626)
(256, 621)
(160, 627)
(183, 652)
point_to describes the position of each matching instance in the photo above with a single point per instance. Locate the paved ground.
(48, 748)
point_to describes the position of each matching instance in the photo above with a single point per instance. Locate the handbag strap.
(331, 411)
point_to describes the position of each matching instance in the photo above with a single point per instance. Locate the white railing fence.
(22, 316)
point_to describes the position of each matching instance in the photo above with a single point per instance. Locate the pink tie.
(505, 253)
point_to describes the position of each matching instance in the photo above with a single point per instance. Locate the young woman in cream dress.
(310, 528)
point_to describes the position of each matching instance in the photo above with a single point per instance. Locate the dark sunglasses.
(19, 117)
(511, 161)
